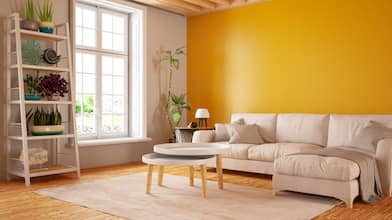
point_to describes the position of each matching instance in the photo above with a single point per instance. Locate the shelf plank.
(17, 102)
(43, 137)
(50, 171)
(42, 68)
(40, 36)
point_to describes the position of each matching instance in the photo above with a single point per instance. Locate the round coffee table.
(168, 160)
(196, 149)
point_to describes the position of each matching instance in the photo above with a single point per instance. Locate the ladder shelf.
(62, 149)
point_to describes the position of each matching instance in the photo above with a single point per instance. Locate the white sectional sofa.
(291, 133)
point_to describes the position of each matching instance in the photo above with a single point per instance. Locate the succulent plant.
(29, 10)
(45, 12)
(42, 117)
(53, 84)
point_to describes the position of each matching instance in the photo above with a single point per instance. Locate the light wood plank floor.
(19, 202)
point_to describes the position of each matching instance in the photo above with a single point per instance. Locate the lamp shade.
(202, 113)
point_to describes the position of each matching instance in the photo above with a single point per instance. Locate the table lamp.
(202, 115)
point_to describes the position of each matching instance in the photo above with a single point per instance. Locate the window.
(103, 74)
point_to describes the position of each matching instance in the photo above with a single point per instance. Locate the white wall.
(164, 30)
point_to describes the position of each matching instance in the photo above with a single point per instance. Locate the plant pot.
(32, 96)
(53, 98)
(38, 130)
(29, 25)
(46, 27)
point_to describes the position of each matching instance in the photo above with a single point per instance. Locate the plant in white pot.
(29, 23)
(47, 122)
(45, 14)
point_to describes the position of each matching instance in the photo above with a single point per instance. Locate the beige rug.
(124, 197)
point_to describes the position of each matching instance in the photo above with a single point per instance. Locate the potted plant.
(47, 123)
(32, 84)
(45, 14)
(53, 86)
(172, 57)
(29, 23)
(177, 106)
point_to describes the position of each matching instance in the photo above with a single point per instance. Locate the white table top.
(190, 149)
(170, 160)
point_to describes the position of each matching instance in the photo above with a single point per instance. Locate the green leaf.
(175, 63)
(177, 117)
(180, 50)
(188, 107)
(171, 107)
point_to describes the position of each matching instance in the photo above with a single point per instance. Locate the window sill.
(112, 141)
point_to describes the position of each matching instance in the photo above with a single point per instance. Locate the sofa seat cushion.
(236, 151)
(270, 152)
(314, 166)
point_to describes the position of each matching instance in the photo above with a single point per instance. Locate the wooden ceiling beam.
(202, 3)
(182, 4)
(222, 2)
(164, 6)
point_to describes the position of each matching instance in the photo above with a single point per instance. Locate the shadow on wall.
(159, 114)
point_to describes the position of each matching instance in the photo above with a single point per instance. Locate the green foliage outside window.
(86, 105)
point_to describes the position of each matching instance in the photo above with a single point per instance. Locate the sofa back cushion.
(344, 129)
(302, 128)
(266, 124)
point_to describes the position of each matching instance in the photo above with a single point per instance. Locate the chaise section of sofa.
(285, 134)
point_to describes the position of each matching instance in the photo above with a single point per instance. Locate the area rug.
(124, 197)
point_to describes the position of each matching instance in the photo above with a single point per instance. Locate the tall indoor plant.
(174, 104)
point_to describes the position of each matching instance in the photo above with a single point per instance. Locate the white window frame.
(135, 94)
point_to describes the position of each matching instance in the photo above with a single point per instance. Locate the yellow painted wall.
(312, 56)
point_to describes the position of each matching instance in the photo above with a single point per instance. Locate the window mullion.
(99, 95)
(99, 75)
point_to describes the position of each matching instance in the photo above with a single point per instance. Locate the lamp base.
(201, 122)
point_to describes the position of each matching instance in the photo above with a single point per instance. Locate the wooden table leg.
(204, 180)
(160, 175)
(149, 177)
(191, 182)
(219, 170)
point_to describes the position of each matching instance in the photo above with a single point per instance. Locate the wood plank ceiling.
(196, 7)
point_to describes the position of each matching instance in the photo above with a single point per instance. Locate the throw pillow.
(244, 134)
(369, 136)
(221, 132)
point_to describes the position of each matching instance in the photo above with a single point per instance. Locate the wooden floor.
(19, 202)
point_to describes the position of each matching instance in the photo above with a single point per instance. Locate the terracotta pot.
(46, 27)
(29, 25)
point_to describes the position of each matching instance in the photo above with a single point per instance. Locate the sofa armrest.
(384, 164)
(203, 136)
